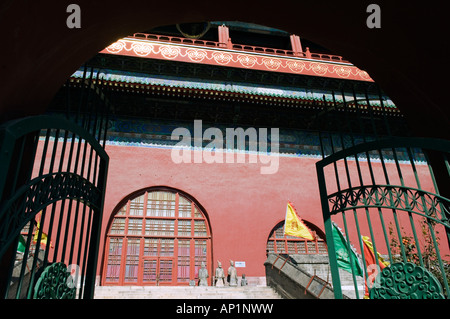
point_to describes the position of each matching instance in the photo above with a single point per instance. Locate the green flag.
(342, 253)
(21, 244)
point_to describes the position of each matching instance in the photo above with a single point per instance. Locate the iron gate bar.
(372, 120)
(386, 124)
(70, 207)
(36, 251)
(372, 176)
(429, 215)
(441, 145)
(24, 265)
(397, 225)
(373, 182)
(16, 172)
(409, 213)
(69, 210)
(72, 247)
(339, 188)
(447, 163)
(52, 162)
(347, 169)
(88, 174)
(328, 230)
(436, 186)
(348, 178)
(60, 169)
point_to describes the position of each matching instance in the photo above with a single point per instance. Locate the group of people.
(219, 276)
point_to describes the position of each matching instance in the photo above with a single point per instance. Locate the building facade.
(208, 139)
(175, 200)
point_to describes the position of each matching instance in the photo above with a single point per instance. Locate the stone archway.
(42, 49)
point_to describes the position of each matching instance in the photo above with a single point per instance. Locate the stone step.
(161, 292)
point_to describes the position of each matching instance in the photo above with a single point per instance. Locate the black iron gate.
(406, 226)
(53, 172)
(385, 202)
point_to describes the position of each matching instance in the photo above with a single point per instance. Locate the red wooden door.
(156, 238)
(157, 271)
(149, 271)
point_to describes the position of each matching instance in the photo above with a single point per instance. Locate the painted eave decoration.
(235, 58)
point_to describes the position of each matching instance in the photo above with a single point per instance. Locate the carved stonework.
(219, 276)
(406, 281)
(54, 283)
(232, 275)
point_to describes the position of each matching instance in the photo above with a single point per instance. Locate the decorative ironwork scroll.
(54, 283)
(406, 281)
(39, 193)
(390, 196)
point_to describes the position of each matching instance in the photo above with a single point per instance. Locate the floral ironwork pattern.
(54, 283)
(391, 196)
(406, 281)
(39, 193)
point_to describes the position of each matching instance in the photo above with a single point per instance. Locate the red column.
(224, 35)
(296, 44)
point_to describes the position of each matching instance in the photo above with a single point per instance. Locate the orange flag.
(372, 264)
(294, 226)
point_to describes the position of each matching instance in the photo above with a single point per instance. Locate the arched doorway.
(158, 236)
(280, 243)
(311, 256)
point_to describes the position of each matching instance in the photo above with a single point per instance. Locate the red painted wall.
(242, 205)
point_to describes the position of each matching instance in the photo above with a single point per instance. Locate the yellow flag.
(43, 237)
(294, 226)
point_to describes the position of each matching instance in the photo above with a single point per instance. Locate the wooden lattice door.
(159, 237)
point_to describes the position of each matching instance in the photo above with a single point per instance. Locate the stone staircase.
(291, 276)
(185, 292)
